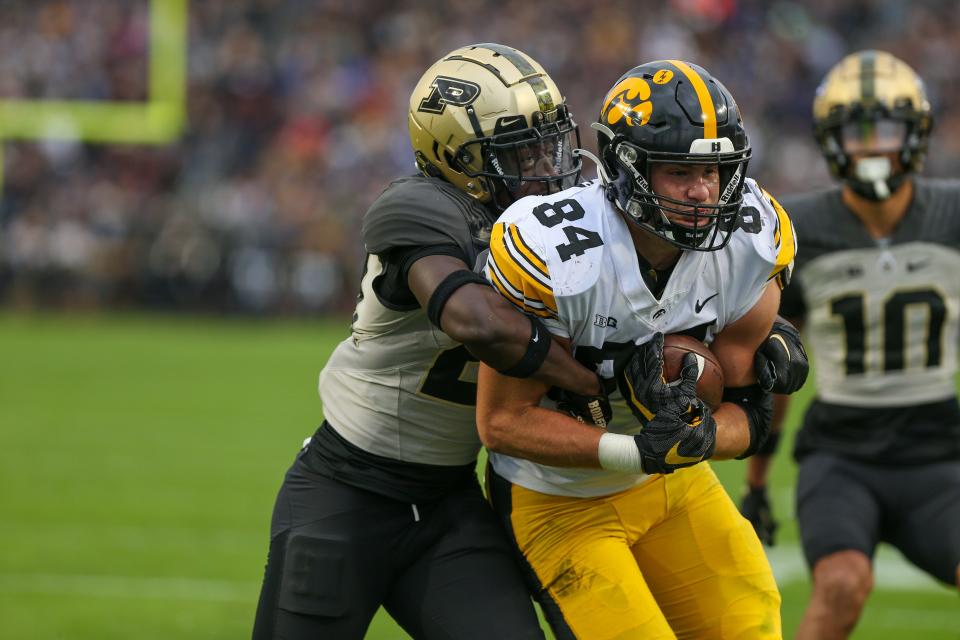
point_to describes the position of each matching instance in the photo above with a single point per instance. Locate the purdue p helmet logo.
(444, 91)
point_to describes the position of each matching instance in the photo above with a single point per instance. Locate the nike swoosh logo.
(673, 457)
(510, 122)
(535, 336)
(698, 307)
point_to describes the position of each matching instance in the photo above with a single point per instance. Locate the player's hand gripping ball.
(710, 377)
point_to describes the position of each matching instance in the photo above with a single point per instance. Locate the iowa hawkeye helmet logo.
(628, 101)
(444, 91)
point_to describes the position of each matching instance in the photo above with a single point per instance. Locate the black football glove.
(642, 384)
(781, 363)
(683, 431)
(755, 507)
(593, 410)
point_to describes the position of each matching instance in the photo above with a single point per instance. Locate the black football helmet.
(874, 103)
(669, 111)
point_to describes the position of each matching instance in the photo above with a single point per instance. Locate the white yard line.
(893, 573)
(150, 588)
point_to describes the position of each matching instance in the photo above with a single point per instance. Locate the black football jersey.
(881, 321)
(398, 388)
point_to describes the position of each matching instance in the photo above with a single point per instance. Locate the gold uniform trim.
(783, 237)
(706, 102)
(527, 252)
(522, 269)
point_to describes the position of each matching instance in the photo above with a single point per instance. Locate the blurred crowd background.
(296, 121)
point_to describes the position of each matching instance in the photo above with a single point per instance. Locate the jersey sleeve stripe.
(521, 247)
(508, 291)
(514, 270)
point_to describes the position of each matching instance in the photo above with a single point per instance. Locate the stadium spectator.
(292, 112)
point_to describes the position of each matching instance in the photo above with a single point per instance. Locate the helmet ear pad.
(630, 167)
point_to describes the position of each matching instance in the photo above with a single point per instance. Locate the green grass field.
(139, 458)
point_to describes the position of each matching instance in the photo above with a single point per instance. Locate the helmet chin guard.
(873, 178)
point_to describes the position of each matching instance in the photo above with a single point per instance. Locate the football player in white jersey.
(878, 297)
(623, 533)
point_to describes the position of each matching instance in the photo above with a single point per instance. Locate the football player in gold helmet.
(382, 507)
(876, 292)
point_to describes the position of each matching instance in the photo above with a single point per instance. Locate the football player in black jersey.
(875, 288)
(383, 506)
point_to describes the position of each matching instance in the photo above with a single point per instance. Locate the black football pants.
(443, 570)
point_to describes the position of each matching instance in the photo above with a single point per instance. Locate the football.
(710, 381)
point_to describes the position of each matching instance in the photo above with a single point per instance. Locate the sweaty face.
(687, 184)
(528, 161)
(532, 161)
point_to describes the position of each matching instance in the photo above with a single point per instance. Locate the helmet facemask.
(521, 159)
(670, 112)
(859, 145)
(872, 120)
(696, 226)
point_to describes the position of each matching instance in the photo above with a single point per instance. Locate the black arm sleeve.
(391, 286)
(791, 299)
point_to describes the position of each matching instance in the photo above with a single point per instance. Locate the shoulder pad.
(546, 246)
(774, 238)
(419, 211)
(517, 266)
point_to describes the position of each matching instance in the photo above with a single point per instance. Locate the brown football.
(710, 383)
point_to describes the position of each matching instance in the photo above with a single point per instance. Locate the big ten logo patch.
(605, 321)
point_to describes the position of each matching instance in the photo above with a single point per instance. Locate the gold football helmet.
(488, 119)
(870, 107)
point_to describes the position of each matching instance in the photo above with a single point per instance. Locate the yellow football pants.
(671, 558)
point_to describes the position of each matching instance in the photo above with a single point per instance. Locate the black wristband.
(536, 353)
(758, 405)
(769, 446)
(446, 288)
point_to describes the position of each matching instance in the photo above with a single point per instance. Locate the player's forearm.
(499, 335)
(758, 467)
(733, 431)
(542, 435)
(559, 369)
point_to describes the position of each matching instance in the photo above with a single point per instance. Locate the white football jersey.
(569, 259)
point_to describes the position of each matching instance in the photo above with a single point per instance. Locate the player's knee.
(843, 580)
(756, 617)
